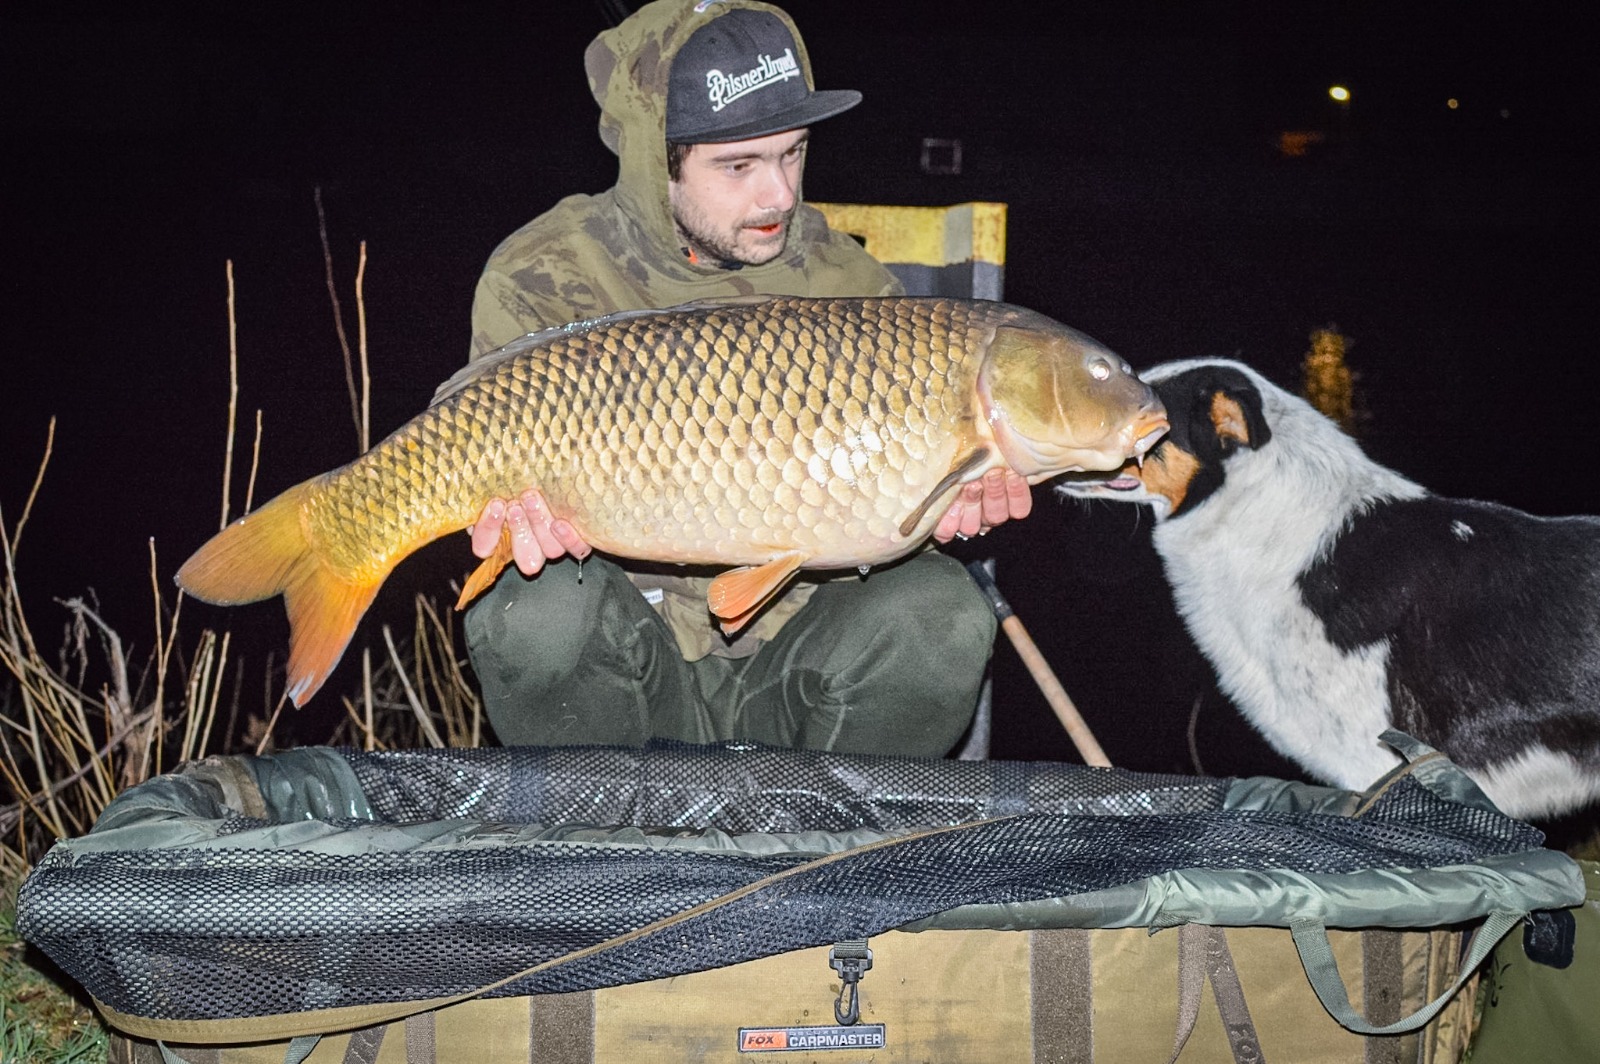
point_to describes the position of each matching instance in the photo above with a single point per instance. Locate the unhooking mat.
(267, 897)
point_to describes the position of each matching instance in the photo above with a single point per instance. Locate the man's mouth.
(770, 228)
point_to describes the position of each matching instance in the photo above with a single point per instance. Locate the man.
(708, 108)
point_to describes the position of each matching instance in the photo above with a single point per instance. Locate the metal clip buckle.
(851, 960)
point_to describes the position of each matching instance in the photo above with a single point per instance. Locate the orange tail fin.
(266, 553)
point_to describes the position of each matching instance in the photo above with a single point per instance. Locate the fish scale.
(738, 385)
(769, 435)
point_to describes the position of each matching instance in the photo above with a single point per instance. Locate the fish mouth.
(1147, 432)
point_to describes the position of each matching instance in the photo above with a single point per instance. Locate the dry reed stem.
(436, 649)
(164, 642)
(15, 542)
(338, 316)
(73, 772)
(266, 733)
(366, 694)
(255, 465)
(233, 399)
(118, 704)
(424, 719)
(361, 332)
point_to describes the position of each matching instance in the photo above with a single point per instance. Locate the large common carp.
(771, 434)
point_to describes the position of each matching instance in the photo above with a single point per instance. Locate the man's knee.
(532, 632)
(934, 600)
(906, 656)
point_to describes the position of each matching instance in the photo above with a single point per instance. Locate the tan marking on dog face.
(1168, 471)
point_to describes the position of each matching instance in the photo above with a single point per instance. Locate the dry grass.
(80, 721)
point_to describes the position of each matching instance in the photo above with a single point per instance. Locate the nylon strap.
(1191, 981)
(561, 1027)
(421, 1047)
(1203, 952)
(1061, 986)
(1382, 977)
(364, 1045)
(1311, 939)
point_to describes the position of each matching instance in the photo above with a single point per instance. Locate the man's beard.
(723, 247)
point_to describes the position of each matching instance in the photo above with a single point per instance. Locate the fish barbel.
(766, 434)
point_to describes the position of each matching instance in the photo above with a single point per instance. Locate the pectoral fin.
(738, 594)
(957, 473)
(484, 575)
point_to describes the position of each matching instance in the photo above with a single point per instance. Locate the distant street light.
(1340, 95)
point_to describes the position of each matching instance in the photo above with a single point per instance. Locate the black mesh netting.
(179, 933)
(743, 787)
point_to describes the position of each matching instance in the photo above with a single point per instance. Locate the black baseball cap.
(739, 77)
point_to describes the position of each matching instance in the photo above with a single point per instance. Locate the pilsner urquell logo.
(723, 89)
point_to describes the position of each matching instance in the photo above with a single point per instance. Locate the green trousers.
(887, 664)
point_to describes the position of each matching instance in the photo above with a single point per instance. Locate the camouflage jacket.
(591, 255)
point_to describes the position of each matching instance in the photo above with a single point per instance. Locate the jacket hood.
(629, 67)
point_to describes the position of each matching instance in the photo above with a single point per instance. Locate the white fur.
(1234, 586)
(1539, 782)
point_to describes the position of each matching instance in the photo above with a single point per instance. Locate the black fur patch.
(1479, 604)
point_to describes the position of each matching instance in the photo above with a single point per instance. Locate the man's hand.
(994, 498)
(535, 537)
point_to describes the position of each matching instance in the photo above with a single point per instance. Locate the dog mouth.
(1090, 484)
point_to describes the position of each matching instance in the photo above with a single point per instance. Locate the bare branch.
(338, 320)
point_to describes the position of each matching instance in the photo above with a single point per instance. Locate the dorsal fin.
(713, 303)
(487, 363)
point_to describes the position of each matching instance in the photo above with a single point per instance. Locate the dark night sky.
(1148, 207)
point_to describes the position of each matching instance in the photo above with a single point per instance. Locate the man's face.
(733, 202)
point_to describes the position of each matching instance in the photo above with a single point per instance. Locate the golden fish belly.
(717, 439)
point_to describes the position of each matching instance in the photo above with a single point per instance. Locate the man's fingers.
(1019, 496)
(971, 500)
(524, 547)
(948, 525)
(486, 530)
(993, 501)
(569, 539)
(539, 518)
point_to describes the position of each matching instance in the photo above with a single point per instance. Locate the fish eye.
(1100, 370)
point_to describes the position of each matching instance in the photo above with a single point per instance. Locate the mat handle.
(1316, 954)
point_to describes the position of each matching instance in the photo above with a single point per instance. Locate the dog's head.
(1214, 407)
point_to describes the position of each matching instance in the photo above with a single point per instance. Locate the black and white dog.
(1335, 598)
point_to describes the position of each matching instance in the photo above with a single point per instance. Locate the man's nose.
(778, 192)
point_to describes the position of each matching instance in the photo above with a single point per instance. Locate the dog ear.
(1234, 410)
